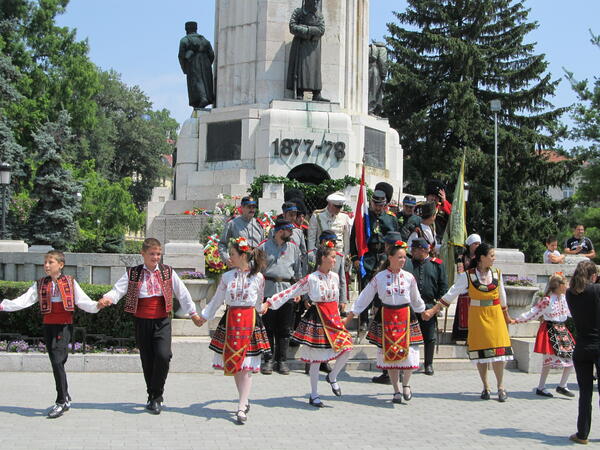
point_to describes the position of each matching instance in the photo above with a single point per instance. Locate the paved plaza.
(445, 412)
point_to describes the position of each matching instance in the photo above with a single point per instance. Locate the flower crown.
(242, 244)
(400, 244)
(330, 244)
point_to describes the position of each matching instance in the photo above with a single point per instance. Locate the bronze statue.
(378, 69)
(304, 73)
(196, 56)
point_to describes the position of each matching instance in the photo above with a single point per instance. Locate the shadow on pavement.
(541, 438)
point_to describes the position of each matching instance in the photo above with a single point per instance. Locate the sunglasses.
(338, 206)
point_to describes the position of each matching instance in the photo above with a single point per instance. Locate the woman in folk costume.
(391, 327)
(321, 331)
(461, 316)
(488, 340)
(554, 340)
(240, 337)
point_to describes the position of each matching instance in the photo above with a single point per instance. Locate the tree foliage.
(450, 58)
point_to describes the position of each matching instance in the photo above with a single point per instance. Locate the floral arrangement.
(517, 281)
(212, 260)
(188, 275)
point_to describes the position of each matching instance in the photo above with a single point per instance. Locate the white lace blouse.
(236, 288)
(320, 287)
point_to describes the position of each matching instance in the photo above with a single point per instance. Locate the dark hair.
(483, 249)
(150, 243)
(579, 225)
(581, 276)
(322, 252)
(391, 251)
(551, 239)
(57, 255)
(257, 260)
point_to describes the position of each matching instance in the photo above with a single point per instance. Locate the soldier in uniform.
(380, 224)
(404, 216)
(245, 226)
(331, 218)
(283, 269)
(433, 283)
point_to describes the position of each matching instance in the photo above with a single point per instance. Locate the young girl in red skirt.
(553, 341)
(321, 332)
(240, 338)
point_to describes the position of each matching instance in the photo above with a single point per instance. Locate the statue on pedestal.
(304, 73)
(378, 69)
(196, 56)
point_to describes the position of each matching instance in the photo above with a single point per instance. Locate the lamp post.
(5, 170)
(496, 106)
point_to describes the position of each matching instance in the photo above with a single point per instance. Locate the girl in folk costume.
(391, 327)
(321, 330)
(488, 340)
(57, 295)
(240, 338)
(553, 339)
(461, 316)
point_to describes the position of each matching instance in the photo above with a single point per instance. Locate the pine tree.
(451, 60)
(53, 219)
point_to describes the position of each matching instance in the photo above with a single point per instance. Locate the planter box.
(519, 298)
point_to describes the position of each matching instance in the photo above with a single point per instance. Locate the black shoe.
(283, 368)
(319, 98)
(266, 368)
(57, 410)
(408, 396)
(156, 406)
(241, 417)
(337, 391)
(502, 395)
(149, 403)
(564, 391)
(325, 367)
(247, 408)
(485, 395)
(397, 398)
(316, 402)
(543, 393)
(68, 402)
(384, 378)
(428, 370)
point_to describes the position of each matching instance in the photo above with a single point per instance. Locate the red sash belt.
(396, 333)
(151, 308)
(339, 338)
(240, 326)
(58, 315)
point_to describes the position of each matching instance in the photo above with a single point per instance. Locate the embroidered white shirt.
(236, 288)
(319, 286)
(553, 309)
(461, 286)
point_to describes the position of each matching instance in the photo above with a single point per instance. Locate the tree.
(53, 219)
(454, 57)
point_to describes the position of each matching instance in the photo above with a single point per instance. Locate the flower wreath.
(400, 244)
(242, 244)
(330, 244)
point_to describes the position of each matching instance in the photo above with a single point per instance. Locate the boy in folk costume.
(149, 290)
(57, 295)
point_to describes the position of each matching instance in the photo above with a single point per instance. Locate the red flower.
(187, 212)
(330, 244)
(400, 244)
(500, 351)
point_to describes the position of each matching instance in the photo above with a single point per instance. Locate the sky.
(140, 39)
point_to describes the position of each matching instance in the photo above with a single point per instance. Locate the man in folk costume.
(283, 268)
(331, 218)
(432, 282)
(149, 290)
(245, 226)
(380, 225)
(57, 295)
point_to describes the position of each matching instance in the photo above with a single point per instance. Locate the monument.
(258, 126)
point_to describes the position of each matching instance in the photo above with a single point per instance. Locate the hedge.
(111, 321)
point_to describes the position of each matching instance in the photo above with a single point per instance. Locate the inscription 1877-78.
(330, 149)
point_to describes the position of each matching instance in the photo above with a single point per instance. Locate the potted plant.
(520, 293)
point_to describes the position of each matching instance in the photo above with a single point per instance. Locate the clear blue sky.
(140, 38)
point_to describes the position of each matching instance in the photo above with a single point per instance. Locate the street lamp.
(5, 183)
(496, 106)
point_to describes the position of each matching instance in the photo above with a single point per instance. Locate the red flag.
(361, 223)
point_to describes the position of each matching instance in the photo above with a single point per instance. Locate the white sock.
(567, 371)
(314, 379)
(340, 362)
(543, 377)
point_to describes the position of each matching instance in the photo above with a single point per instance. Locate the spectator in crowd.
(583, 298)
(435, 191)
(580, 245)
(552, 255)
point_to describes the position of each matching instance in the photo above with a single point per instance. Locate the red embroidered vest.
(136, 276)
(67, 293)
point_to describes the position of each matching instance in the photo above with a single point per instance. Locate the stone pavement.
(445, 412)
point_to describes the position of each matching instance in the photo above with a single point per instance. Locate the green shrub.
(111, 321)
(133, 247)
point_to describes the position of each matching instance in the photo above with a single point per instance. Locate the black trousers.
(376, 303)
(57, 339)
(584, 362)
(278, 324)
(428, 327)
(153, 339)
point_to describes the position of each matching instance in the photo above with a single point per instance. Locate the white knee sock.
(567, 371)
(543, 377)
(314, 379)
(340, 362)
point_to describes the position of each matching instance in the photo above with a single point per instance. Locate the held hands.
(103, 303)
(428, 314)
(297, 299)
(198, 320)
(265, 308)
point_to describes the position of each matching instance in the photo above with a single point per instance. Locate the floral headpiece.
(400, 244)
(330, 244)
(243, 245)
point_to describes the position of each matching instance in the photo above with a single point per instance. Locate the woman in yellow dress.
(488, 340)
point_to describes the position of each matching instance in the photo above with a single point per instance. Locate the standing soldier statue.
(196, 57)
(378, 69)
(304, 73)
